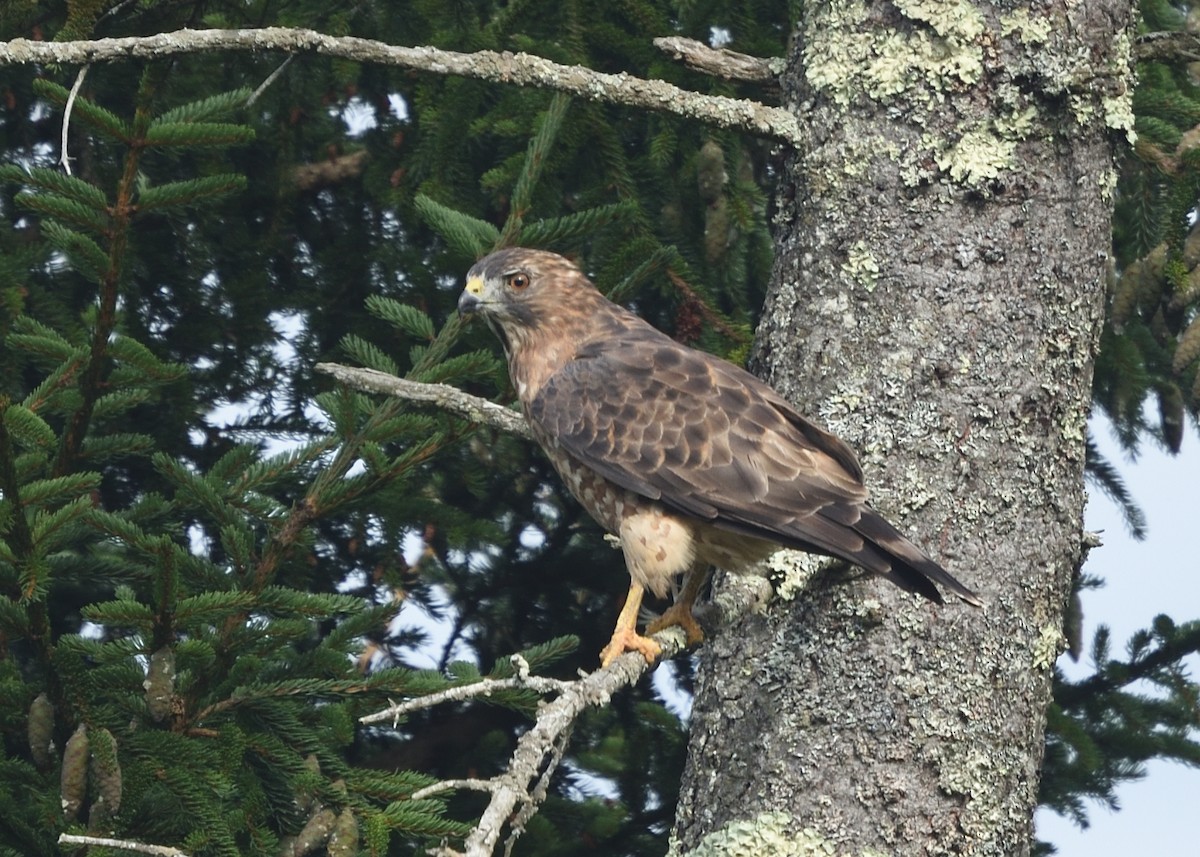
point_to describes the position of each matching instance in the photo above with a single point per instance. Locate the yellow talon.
(625, 637)
(678, 614)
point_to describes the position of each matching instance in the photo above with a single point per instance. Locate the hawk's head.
(518, 290)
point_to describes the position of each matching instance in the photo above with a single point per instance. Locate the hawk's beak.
(472, 297)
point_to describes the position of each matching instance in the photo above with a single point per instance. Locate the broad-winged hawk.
(689, 460)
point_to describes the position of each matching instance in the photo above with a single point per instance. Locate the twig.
(540, 789)
(486, 687)
(63, 157)
(117, 8)
(271, 78)
(123, 844)
(720, 62)
(710, 315)
(446, 785)
(540, 749)
(1168, 45)
(520, 69)
(444, 396)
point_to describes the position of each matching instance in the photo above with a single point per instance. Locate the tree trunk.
(937, 299)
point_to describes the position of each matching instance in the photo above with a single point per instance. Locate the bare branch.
(486, 687)
(521, 788)
(720, 62)
(447, 785)
(1167, 46)
(520, 69)
(331, 171)
(539, 790)
(517, 793)
(271, 78)
(447, 398)
(123, 844)
(64, 158)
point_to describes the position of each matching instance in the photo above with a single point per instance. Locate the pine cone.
(40, 729)
(106, 774)
(74, 773)
(315, 833)
(343, 842)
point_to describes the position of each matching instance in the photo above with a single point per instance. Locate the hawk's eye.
(518, 281)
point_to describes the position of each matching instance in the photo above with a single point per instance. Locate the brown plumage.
(690, 460)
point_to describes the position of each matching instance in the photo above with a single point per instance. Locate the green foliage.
(84, 110)
(252, 671)
(85, 255)
(1103, 729)
(191, 192)
(193, 134)
(1149, 351)
(467, 236)
(407, 319)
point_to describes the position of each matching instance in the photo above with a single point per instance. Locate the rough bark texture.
(937, 300)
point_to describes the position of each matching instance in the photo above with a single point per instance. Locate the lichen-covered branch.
(517, 793)
(522, 787)
(443, 396)
(487, 687)
(503, 67)
(452, 785)
(1166, 46)
(121, 844)
(720, 62)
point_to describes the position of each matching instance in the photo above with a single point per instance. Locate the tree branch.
(486, 687)
(339, 168)
(1107, 679)
(720, 62)
(522, 787)
(520, 69)
(517, 793)
(448, 785)
(1166, 46)
(122, 844)
(447, 398)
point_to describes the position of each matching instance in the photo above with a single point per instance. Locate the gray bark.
(937, 299)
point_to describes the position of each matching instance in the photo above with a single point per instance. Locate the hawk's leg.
(625, 637)
(680, 612)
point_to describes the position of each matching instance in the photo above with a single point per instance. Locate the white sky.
(1144, 579)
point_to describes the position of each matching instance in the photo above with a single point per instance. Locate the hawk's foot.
(626, 639)
(679, 613)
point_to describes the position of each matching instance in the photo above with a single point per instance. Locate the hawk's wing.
(710, 440)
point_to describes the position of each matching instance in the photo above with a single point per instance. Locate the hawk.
(690, 461)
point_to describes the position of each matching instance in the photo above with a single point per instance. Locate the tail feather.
(907, 565)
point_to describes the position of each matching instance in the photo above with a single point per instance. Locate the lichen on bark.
(936, 301)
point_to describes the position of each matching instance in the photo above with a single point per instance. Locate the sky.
(1158, 575)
